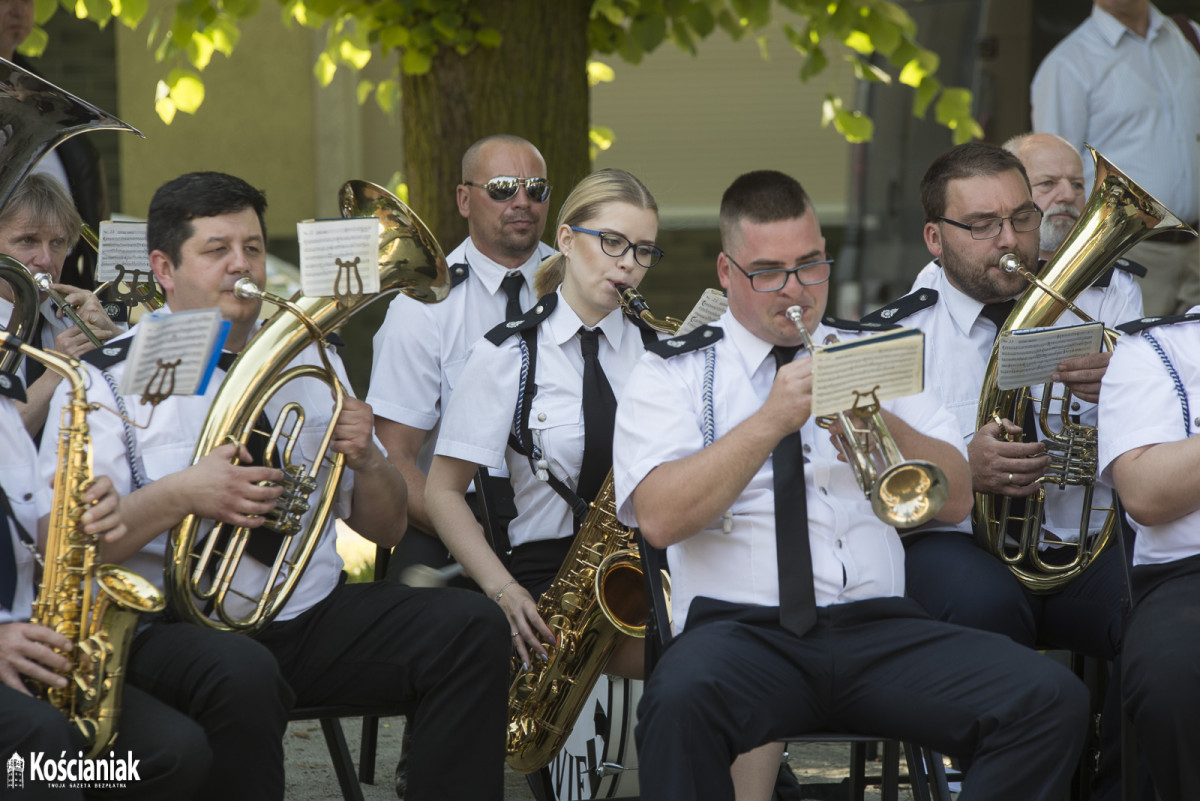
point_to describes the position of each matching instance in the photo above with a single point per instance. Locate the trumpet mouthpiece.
(1009, 262)
(43, 280)
(795, 314)
(245, 288)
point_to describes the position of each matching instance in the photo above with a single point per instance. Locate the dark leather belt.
(1176, 237)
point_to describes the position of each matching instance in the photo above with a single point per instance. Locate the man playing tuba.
(441, 653)
(978, 208)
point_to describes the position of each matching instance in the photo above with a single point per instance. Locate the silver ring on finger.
(1010, 479)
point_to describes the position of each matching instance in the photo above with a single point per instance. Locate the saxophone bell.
(903, 493)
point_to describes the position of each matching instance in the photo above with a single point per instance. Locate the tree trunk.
(533, 85)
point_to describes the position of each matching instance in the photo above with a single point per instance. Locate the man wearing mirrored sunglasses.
(978, 207)
(420, 348)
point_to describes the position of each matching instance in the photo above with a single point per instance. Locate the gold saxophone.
(598, 595)
(100, 624)
(1118, 215)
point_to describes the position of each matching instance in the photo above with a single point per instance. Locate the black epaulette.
(458, 274)
(12, 387)
(108, 355)
(530, 319)
(700, 338)
(904, 307)
(857, 325)
(1134, 326)
(335, 341)
(1131, 267)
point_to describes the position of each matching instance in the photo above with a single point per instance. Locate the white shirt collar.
(492, 273)
(753, 350)
(564, 323)
(1111, 29)
(964, 310)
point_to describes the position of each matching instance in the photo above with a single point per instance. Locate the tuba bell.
(201, 573)
(1117, 215)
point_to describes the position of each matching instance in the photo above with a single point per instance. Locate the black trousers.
(441, 654)
(172, 753)
(1161, 662)
(735, 679)
(231, 686)
(958, 582)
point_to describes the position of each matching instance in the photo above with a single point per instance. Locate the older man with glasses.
(420, 348)
(978, 209)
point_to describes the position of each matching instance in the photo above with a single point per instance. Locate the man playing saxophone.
(170, 747)
(978, 208)
(789, 611)
(440, 653)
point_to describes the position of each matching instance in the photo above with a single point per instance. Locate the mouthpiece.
(795, 314)
(245, 288)
(1010, 262)
(43, 280)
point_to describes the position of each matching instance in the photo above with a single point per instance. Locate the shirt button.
(823, 492)
(1075, 406)
(1196, 422)
(28, 496)
(839, 543)
(807, 448)
(541, 417)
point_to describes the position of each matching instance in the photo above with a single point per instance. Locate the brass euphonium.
(598, 595)
(1118, 215)
(903, 493)
(411, 261)
(95, 606)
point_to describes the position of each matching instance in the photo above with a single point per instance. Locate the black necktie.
(8, 560)
(599, 409)
(511, 285)
(797, 599)
(263, 544)
(998, 312)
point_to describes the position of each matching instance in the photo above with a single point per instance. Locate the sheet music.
(174, 354)
(1029, 356)
(122, 244)
(339, 257)
(891, 364)
(708, 309)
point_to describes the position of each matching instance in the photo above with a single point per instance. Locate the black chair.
(926, 773)
(331, 717)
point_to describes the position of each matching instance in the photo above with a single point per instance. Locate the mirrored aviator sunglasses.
(504, 188)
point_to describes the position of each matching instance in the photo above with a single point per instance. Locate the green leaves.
(182, 90)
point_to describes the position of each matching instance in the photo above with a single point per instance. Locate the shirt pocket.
(556, 425)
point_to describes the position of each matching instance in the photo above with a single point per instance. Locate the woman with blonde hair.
(562, 366)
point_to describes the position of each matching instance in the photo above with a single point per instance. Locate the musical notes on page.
(339, 258)
(173, 354)
(857, 372)
(1030, 356)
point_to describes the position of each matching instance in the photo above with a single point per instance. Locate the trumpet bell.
(910, 494)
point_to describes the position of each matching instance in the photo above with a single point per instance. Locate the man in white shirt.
(420, 348)
(979, 207)
(1127, 82)
(787, 590)
(1149, 449)
(440, 654)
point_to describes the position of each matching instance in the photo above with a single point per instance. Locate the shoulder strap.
(459, 273)
(702, 337)
(529, 321)
(904, 307)
(1189, 33)
(858, 325)
(1134, 326)
(12, 387)
(110, 354)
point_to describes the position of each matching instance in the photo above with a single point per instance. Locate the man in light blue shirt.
(1127, 82)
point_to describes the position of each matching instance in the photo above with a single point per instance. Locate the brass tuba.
(1118, 215)
(597, 595)
(903, 493)
(95, 606)
(24, 313)
(411, 261)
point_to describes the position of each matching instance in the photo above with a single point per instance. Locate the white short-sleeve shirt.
(30, 499)
(855, 556)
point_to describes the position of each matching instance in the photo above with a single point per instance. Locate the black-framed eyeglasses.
(774, 279)
(1022, 222)
(616, 245)
(504, 188)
